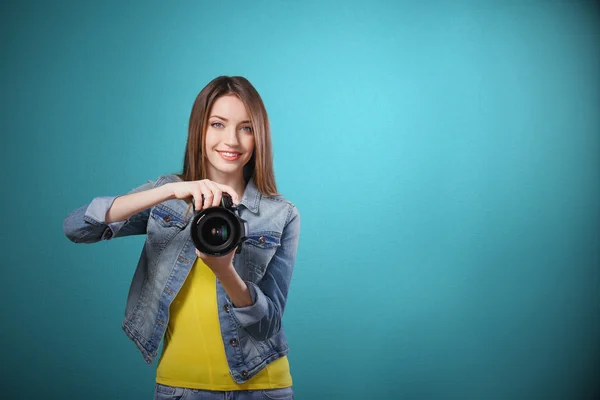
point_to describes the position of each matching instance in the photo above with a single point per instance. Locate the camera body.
(219, 230)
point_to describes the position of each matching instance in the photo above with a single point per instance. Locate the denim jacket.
(253, 336)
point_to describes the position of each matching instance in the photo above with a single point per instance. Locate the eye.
(217, 125)
(247, 128)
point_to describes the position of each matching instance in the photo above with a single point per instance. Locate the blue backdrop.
(444, 156)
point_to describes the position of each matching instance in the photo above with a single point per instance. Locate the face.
(229, 139)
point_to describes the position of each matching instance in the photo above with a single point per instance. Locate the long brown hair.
(260, 165)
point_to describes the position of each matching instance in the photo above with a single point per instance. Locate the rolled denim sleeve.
(262, 319)
(87, 224)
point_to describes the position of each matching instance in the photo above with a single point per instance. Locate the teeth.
(229, 154)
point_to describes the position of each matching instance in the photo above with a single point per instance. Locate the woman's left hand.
(218, 264)
(222, 267)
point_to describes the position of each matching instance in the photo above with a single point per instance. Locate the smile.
(229, 156)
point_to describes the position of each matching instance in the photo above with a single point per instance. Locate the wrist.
(167, 191)
(236, 288)
(226, 274)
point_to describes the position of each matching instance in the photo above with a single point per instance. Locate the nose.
(231, 138)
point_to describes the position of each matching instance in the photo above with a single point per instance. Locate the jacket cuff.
(96, 215)
(250, 315)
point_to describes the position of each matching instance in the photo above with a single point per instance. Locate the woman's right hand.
(212, 193)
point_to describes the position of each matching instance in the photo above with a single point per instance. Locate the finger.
(234, 196)
(205, 257)
(217, 193)
(207, 193)
(197, 199)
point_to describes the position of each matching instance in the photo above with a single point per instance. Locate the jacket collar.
(251, 197)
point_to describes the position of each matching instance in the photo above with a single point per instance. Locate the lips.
(229, 155)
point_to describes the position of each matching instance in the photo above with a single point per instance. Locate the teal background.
(444, 156)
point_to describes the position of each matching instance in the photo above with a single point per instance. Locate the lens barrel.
(218, 230)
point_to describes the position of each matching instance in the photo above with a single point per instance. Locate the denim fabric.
(163, 392)
(253, 336)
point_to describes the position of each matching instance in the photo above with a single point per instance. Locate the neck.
(236, 182)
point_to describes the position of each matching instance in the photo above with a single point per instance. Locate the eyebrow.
(226, 120)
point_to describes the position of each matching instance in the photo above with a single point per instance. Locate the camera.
(219, 230)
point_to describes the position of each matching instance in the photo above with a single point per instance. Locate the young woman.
(220, 316)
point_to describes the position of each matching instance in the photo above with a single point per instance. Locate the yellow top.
(194, 354)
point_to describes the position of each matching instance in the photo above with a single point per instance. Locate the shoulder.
(281, 205)
(167, 178)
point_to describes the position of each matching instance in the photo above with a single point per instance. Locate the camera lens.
(218, 230)
(215, 232)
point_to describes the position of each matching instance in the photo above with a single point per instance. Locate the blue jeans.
(163, 392)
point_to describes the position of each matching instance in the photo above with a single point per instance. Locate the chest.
(168, 237)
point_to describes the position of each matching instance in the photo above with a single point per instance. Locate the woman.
(220, 317)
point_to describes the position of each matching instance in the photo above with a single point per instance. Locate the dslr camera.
(219, 230)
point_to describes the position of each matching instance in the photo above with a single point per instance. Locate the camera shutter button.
(262, 240)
